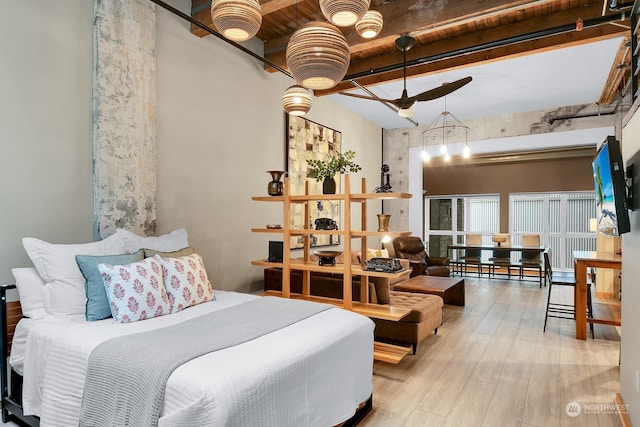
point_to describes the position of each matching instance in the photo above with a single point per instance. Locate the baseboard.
(622, 411)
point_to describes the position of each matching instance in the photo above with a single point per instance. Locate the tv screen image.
(610, 189)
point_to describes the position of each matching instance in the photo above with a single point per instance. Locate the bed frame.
(11, 381)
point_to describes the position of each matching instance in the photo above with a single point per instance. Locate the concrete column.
(124, 150)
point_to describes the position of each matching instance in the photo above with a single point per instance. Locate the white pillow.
(64, 299)
(377, 253)
(186, 281)
(135, 291)
(64, 291)
(30, 284)
(174, 241)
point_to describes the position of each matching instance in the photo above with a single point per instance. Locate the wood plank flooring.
(492, 365)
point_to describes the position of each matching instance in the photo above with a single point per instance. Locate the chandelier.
(296, 100)
(237, 20)
(444, 130)
(317, 53)
(344, 13)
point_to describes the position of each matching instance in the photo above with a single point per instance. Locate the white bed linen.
(19, 344)
(312, 373)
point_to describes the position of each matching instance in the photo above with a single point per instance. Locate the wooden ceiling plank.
(409, 16)
(564, 17)
(491, 35)
(272, 6)
(619, 71)
(499, 53)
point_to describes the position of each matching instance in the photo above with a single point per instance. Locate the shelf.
(357, 270)
(389, 353)
(268, 198)
(606, 313)
(355, 197)
(298, 264)
(392, 234)
(316, 197)
(309, 231)
(268, 230)
(360, 197)
(263, 263)
(377, 311)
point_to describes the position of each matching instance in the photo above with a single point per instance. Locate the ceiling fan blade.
(441, 91)
(355, 95)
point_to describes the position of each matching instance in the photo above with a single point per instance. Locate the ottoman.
(425, 316)
(451, 289)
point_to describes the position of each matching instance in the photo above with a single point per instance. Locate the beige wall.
(630, 346)
(45, 126)
(567, 174)
(220, 127)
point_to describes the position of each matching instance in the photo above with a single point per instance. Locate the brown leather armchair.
(412, 248)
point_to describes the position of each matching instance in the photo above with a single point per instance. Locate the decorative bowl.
(327, 258)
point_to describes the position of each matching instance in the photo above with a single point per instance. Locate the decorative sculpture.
(385, 187)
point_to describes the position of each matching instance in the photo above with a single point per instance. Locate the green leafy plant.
(337, 163)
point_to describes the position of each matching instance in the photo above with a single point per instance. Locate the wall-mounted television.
(611, 189)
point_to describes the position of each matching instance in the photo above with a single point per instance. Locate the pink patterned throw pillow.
(186, 281)
(136, 291)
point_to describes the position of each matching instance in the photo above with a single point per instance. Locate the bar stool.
(561, 310)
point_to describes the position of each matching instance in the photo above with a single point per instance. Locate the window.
(478, 214)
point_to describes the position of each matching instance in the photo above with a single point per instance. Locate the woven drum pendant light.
(370, 25)
(344, 13)
(237, 20)
(296, 100)
(318, 55)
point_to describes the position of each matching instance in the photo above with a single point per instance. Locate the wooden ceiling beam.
(462, 61)
(467, 42)
(409, 16)
(620, 71)
(565, 17)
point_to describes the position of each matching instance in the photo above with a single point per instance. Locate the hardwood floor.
(491, 365)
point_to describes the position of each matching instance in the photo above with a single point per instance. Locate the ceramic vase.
(329, 186)
(275, 187)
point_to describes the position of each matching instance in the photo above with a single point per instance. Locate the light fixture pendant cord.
(404, 69)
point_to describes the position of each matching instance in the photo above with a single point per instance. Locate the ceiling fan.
(405, 103)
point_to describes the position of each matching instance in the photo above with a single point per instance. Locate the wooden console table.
(583, 260)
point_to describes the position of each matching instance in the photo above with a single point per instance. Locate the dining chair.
(531, 259)
(563, 310)
(501, 258)
(472, 256)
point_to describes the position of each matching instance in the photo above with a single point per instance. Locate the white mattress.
(312, 373)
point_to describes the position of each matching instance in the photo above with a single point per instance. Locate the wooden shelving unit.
(385, 352)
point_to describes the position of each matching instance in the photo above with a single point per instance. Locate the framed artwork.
(309, 140)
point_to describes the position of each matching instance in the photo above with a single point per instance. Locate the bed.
(315, 372)
(312, 371)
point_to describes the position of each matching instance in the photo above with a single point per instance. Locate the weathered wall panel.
(124, 150)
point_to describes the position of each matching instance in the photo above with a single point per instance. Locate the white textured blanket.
(126, 376)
